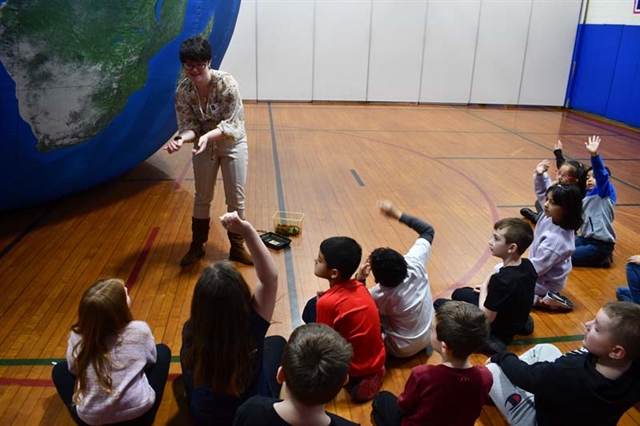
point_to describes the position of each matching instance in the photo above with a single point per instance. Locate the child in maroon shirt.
(451, 393)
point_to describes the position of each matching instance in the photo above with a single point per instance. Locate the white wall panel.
(617, 12)
(450, 46)
(500, 53)
(397, 44)
(549, 52)
(240, 59)
(285, 49)
(341, 50)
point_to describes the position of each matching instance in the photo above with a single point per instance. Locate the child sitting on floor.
(315, 366)
(348, 308)
(451, 393)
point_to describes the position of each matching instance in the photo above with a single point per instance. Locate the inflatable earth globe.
(87, 87)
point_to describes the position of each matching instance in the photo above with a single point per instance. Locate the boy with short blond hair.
(451, 393)
(595, 385)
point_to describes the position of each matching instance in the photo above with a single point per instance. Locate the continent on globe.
(76, 63)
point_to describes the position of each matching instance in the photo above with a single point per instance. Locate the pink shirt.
(131, 395)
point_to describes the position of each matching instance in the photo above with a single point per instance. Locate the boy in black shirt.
(315, 366)
(592, 386)
(506, 295)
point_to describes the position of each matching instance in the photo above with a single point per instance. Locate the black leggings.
(156, 375)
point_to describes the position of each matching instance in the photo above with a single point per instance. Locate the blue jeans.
(632, 292)
(591, 253)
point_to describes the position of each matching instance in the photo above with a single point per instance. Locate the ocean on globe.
(87, 87)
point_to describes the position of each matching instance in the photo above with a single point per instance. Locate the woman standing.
(210, 112)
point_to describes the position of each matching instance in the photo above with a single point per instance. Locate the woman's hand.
(201, 146)
(174, 145)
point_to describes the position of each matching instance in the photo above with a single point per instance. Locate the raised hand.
(542, 167)
(592, 145)
(389, 209)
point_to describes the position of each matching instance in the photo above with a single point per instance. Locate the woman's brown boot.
(200, 231)
(238, 253)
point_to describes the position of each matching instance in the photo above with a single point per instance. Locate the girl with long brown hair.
(114, 373)
(225, 356)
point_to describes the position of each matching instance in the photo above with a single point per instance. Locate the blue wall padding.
(624, 99)
(607, 74)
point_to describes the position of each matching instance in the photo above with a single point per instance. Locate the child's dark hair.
(517, 232)
(591, 168)
(343, 254)
(388, 266)
(579, 173)
(316, 361)
(196, 49)
(569, 198)
(221, 346)
(462, 326)
(625, 317)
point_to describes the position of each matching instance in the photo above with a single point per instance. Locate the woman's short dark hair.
(195, 49)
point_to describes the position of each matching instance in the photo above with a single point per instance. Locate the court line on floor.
(133, 276)
(294, 309)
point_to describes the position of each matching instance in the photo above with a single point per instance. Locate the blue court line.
(294, 309)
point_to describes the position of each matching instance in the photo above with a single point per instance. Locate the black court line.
(571, 115)
(520, 135)
(357, 177)
(26, 231)
(294, 309)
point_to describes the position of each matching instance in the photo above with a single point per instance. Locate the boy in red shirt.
(348, 308)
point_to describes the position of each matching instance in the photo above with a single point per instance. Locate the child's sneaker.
(556, 302)
(368, 387)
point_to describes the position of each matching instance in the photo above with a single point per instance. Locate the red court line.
(47, 383)
(143, 256)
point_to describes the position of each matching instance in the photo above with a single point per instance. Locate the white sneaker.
(556, 302)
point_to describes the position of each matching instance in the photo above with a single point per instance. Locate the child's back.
(349, 309)
(442, 395)
(453, 392)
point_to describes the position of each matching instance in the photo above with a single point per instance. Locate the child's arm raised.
(600, 173)
(557, 152)
(264, 294)
(541, 180)
(424, 229)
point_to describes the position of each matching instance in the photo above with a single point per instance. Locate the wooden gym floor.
(460, 168)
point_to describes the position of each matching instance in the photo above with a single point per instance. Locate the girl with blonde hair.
(114, 373)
